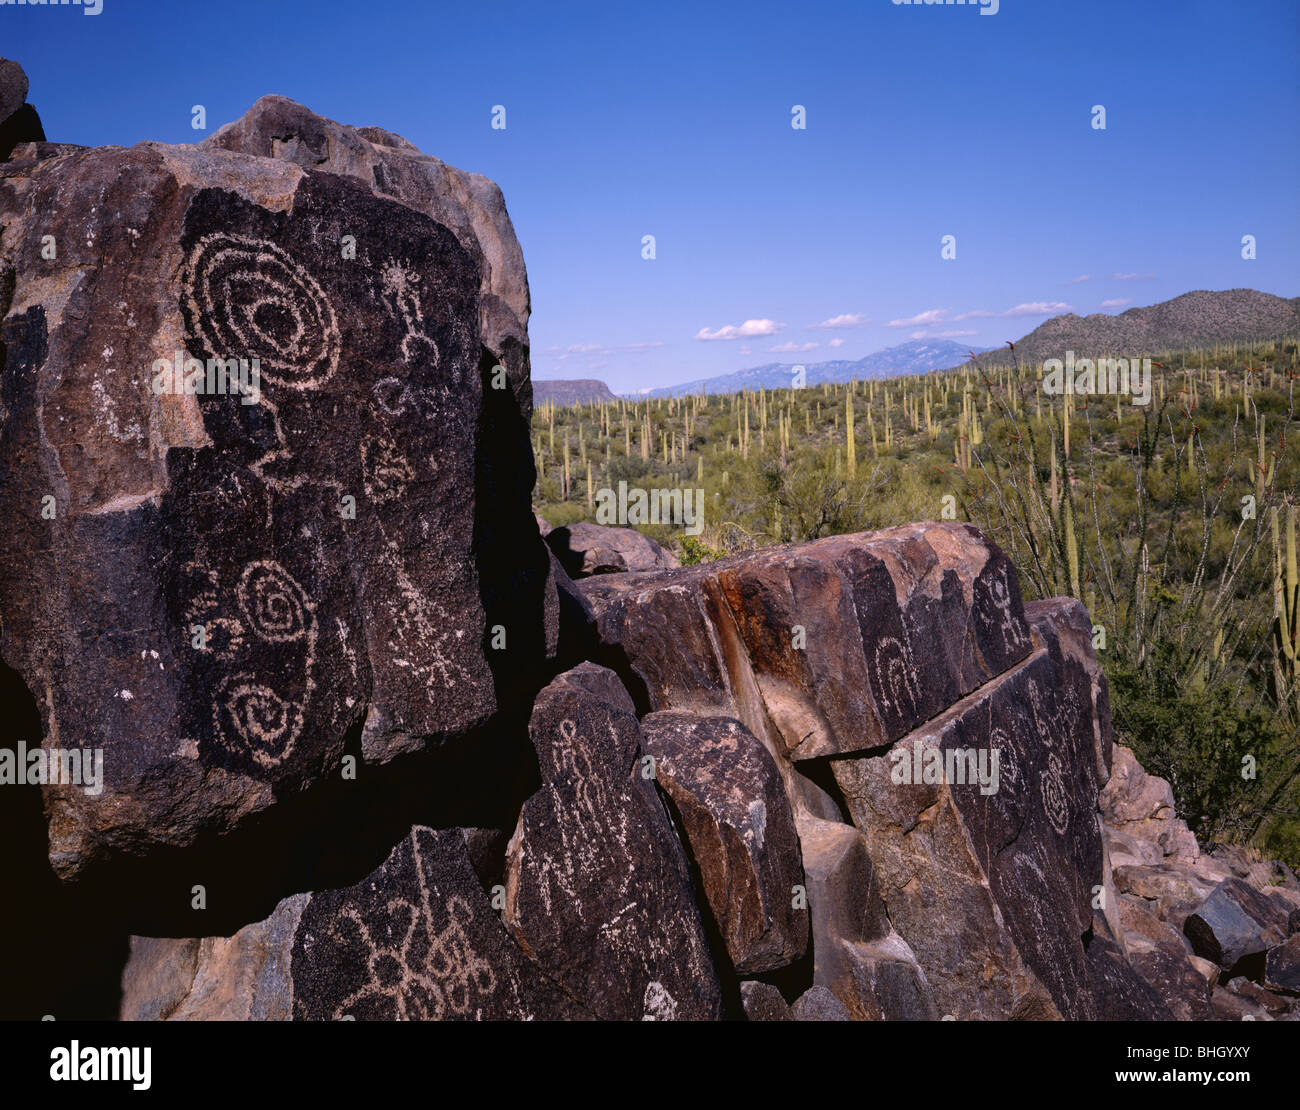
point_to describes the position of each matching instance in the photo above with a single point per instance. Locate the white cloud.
(561, 353)
(1118, 302)
(1132, 277)
(921, 319)
(788, 348)
(637, 348)
(957, 333)
(838, 341)
(1079, 280)
(748, 330)
(1038, 308)
(847, 320)
(1031, 308)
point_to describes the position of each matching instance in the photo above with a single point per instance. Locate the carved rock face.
(415, 940)
(221, 574)
(597, 885)
(740, 833)
(851, 641)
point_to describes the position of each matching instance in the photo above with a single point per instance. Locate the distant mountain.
(1198, 319)
(573, 391)
(915, 357)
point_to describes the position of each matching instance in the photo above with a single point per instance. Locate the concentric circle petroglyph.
(249, 299)
(1056, 799)
(275, 607)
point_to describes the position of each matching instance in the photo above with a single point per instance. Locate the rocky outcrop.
(19, 122)
(597, 888)
(739, 828)
(343, 689)
(417, 939)
(586, 549)
(233, 575)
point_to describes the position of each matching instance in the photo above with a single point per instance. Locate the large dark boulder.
(229, 591)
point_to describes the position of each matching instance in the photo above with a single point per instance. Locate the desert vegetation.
(1174, 522)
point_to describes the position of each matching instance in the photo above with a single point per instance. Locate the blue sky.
(673, 120)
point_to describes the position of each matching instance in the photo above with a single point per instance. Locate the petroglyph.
(248, 298)
(402, 289)
(428, 972)
(253, 719)
(894, 676)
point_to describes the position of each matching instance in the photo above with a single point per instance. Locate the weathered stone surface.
(1234, 923)
(415, 940)
(13, 88)
(244, 977)
(469, 204)
(586, 549)
(1208, 969)
(1275, 1004)
(1062, 625)
(1282, 966)
(1118, 992)
(991, 884)
(1232, 1007)
(183, 586)
(1167, 968)
(897, 625)
(598, 889)
(856, 954)
(739, 831)
(1138, 920)
(1172, 891)
(1142, 807)
(818, 1004)
(763, 1002)
(24, 126)
(843, 893)
(19, 122)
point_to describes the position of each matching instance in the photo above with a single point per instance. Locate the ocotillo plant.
(1286, 613)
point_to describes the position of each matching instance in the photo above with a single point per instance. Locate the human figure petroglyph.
(895, 676)
(402, 289)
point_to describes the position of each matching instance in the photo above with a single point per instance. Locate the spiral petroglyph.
(248, 298)
(275, 607)
(252, 719)
(266, 724)
(1056, 798)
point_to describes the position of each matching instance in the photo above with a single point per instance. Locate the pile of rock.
(1214, 935)
(370, 752)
